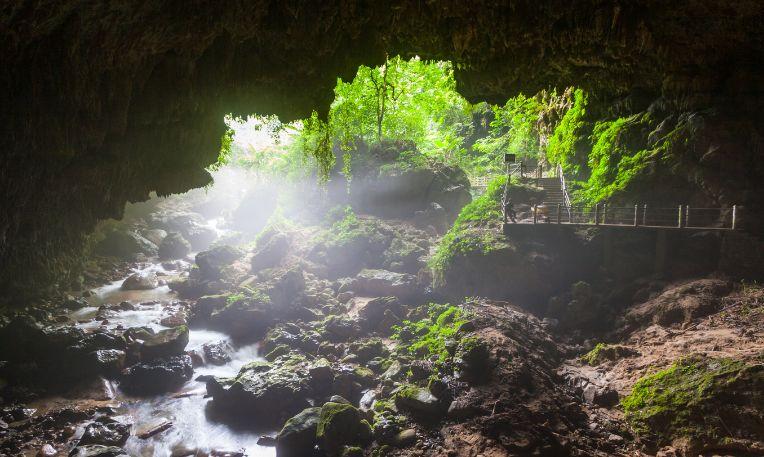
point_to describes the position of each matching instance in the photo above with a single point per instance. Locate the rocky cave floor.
(337, 339)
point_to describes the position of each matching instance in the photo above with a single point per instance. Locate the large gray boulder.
(340, 425)
(174, 246)
(298, 436)
(164, 343)
(383, 283)
(212, 261)
(125, 244)
(157, 376)
(144, 280)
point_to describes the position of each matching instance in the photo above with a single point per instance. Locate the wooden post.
(734, 216)
(534, 213)
(644, 214)
(559, 207)
(687, 216)
(604, 213)
(636, 210)
(597, 214)
(679, 220)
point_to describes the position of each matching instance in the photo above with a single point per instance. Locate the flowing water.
(194, 427)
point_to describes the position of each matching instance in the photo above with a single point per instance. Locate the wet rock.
(146, 431)
(270, 251)
(191, 226)
(218, 353)
(601, 396)
(340, 328)
(373, 314)
(108, 362)
(266, 440)
(465, 408)
(174, 246)
(403, 256)
(106, 432)
(125, 244)
(74, 303)
(340, 425)
(154, 235)
(404, 438)
(264, 393)
(383, 283)
(97, 451)
(164, 343)
(213, 261)
(473, 358)
(144, 280)
(245, 318)
(156, 376)
(365, 350)
(297, 437)
(419, 402)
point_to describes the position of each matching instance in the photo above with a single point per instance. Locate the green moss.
(278, 351)
(603, 352)
(341, 424)
(352, 451)
(680, 401)
(563, 144)
(428, 337)
(465, 236)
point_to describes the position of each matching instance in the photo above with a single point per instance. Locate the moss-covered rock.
(341, 425)
(603, 352)
(699, 404)
(264, 393)
(298, 435)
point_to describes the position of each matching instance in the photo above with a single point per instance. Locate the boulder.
(144, 280)
(105, 431)
(154, 235)
(157, 376)
(108, 362)
(341, 425)
(419, 402)
(264, 393)
(174, 246)
(472, 359)
(125, 244)
(404, 438)
(381, 283)
(298, 435)
(372, 313)
(191, 226)
(164, 343)
(396, 192)
(212, 261)
(218, 353)
(270, 252)
(245, 318)
(404, 256)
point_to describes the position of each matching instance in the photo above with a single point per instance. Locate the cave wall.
(107, 101)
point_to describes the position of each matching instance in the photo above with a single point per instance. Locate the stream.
(194, 430)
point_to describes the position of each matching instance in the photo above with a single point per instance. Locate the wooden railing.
(682, 216)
